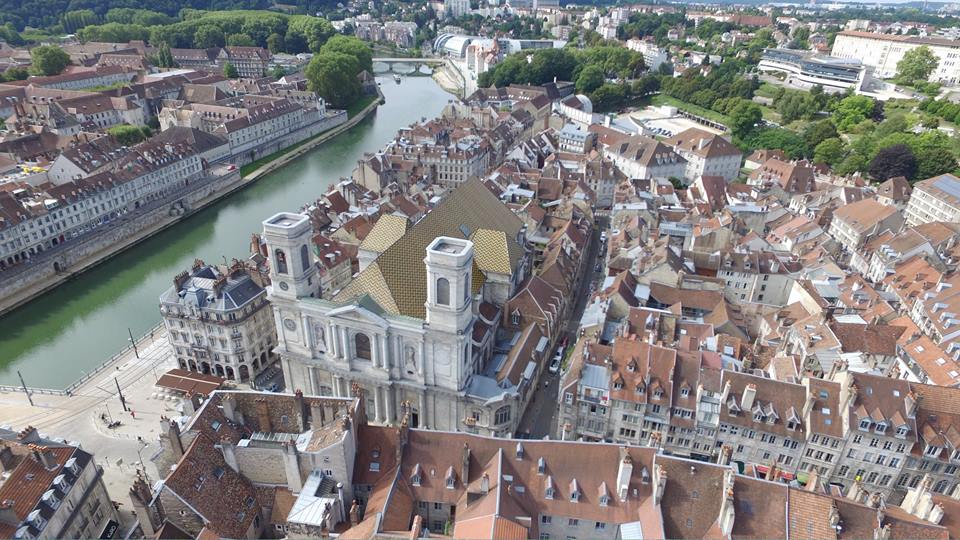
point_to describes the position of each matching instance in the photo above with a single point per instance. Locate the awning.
(190, 382)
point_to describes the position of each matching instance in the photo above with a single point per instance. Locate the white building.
(706, 154)
(934, 199)
(417, 325)
(640, 157)
(882, 52)
(653, 56)
(218, 322)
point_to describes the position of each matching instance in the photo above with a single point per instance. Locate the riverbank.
(10, 302)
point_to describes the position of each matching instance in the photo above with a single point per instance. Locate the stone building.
(219, 322)
(415, 326)
(51, 489)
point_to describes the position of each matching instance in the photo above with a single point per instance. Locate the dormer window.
(684, 392)
(604, 500)
(758, 417)
(574, 496)
(791, 425)
(450, 482)
(618, 385)
(417, 475)
(549, 493)
(541, 466)
(881, 428)
(932, 451)
(658, 394)
(640, 390)
(515, 318)
(865, 424)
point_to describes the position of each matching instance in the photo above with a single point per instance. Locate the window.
(503, 415)
(573, 522)
(305, 257)
(443, 292)
(361, 344)
(599, 525)
(281, 260)
(545, 519)
(544, 536)
(865, 424)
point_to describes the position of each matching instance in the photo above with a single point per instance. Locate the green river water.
(82, 323)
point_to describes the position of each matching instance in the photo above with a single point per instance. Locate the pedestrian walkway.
(80, 416)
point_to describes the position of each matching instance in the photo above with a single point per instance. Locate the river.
(55, 338)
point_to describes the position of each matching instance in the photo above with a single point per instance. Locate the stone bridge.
(415, 63)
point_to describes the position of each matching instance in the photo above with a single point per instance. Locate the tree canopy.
(916, 65)
(333, 75)
(48, 60)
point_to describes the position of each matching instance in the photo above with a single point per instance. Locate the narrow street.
(540, 417)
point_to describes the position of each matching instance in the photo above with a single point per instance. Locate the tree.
(852, 110)
(779, 139)
(240, 40)
(817, 132)
(48, 60)
(744, 118)
(275, 43)
(208, 36)
(609, 97)
(830, 151)
(350, 46)
(278, 72)
(230, 71)
(128, 135)
(333, 76)
(916, 65)
(591, 78)
(15, 73)
(75, 20)
(164, 58)
(896, 160)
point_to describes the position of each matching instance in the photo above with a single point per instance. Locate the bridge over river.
(406, 66)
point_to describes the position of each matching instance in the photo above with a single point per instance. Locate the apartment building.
(363, 481)
(854, 224)
(706, 154)
(51, 489)
(219, 322)
(641, 157)
(37, 218)
(882, 52)
(934, 199)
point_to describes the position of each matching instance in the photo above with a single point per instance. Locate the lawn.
(359, 105)
(661, 99)
(767, 90)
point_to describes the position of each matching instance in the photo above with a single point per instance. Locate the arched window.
(502, 415)
(281, 258)
(305, 257)
(443, 291)
(361, 345)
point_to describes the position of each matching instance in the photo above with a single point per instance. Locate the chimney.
(28, 435)
(727, 511)
(624, 473)
(354, 513)
(317, 416)
(170, 430)
(725, 393)
(808, 405)
(229, 452)
(485, 483)
(936, 514)
(149, 517)
(749, 394)
(882, 532)
(7, 515)
(465, 464)
(659, 483)
(291, 465)
(6, 459)
(263, 415)
(724, 458)
(834, 516)
(813, 480)
(44, 456)
(229, 404)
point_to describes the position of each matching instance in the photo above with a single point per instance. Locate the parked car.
(554, 366)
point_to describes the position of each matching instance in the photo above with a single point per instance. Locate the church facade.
(417, 328)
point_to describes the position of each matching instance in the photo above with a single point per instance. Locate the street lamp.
(143, 444)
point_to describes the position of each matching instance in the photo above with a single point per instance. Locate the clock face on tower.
(284, 286)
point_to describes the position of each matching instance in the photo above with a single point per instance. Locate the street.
(83, 416)
(539, 419)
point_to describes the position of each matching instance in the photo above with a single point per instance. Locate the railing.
(68, 391)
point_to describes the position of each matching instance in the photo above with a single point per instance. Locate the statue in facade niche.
(410, 362)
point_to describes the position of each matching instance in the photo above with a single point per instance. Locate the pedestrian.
(132, 415)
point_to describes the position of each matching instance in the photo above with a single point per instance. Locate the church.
(419, 328)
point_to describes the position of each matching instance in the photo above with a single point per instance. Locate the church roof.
(397, 279)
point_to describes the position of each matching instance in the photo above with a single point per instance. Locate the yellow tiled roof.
(388, 229)
(397, 278)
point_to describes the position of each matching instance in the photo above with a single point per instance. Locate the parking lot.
(665, 125)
